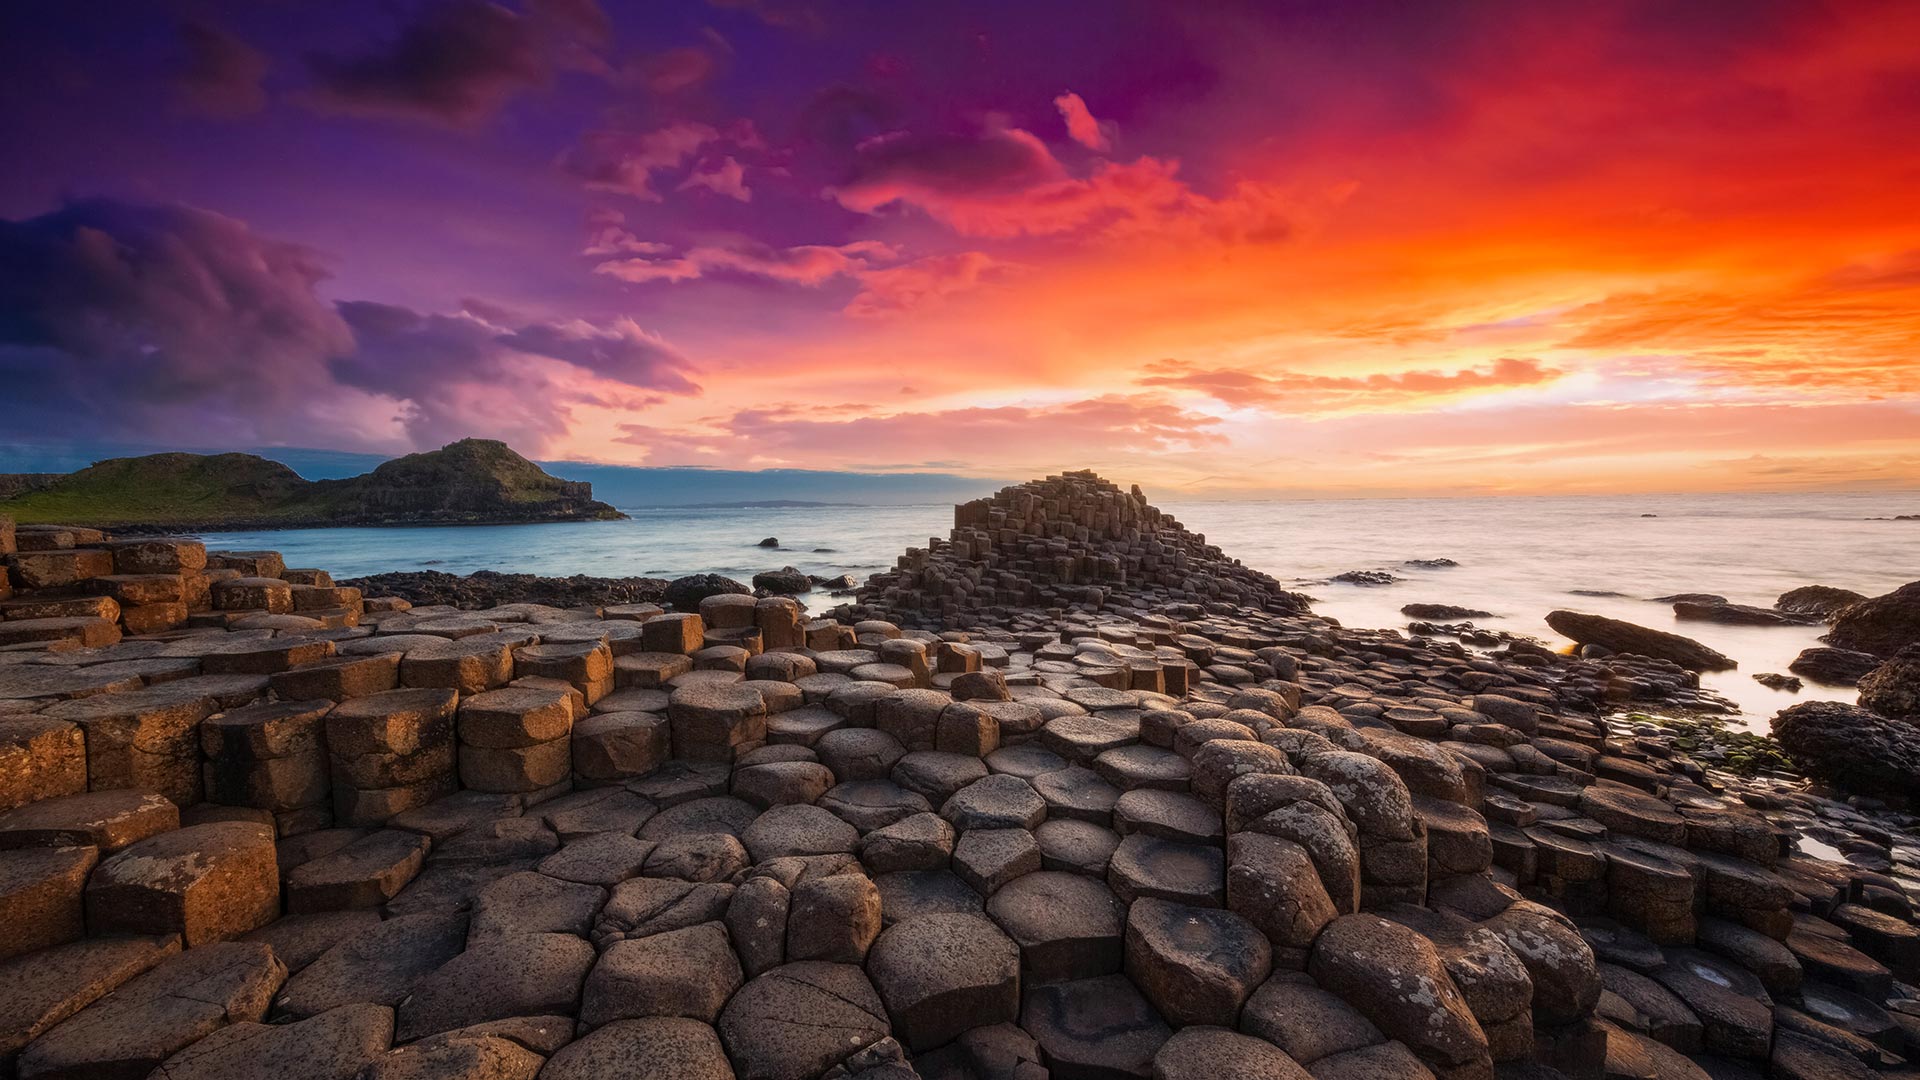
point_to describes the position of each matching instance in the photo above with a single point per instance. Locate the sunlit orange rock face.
(1540, 247)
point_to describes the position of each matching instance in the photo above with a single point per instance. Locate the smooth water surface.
(1519, 557)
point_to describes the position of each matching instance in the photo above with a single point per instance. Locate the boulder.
(1626, 637)
(1850, 747)
(1823, 601)
(1893, 688)
(685, 593)
(1881, 625)
(1833, 667)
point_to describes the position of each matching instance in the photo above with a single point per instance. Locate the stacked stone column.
(391, 752)
(272, 756)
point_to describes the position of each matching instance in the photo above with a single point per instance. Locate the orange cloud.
(1295, 392)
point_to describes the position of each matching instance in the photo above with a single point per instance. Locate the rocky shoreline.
(1067, 793)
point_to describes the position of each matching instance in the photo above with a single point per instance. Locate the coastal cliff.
(470, 482)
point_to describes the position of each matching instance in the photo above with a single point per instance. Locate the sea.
(1517, 557)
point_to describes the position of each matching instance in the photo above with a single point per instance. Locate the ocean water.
(1519, 557)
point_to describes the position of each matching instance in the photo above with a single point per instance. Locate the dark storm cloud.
(170, 323)
(459, 61)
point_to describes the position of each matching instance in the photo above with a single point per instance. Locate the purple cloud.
(166, 323)
(221, 74)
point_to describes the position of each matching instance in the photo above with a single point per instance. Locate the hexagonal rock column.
(390, 752)
(40, 758)
(40, 892)
(1394, 977)
(271, 756)
(612, 747)
(143, 739)
(716, 722)
(1094, 1027)
(515, 740)
(1211, 1053)
(1197, 965)
(206, 883)
(364, 874)
(942, 974)
(1068, 926)
(514, 975)
(688, 972)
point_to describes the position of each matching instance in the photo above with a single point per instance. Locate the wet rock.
(1446, 612)
(1833, 667)
(1893, 688)
(1823, 601)
(1851, 747)
(1881, 625)
(785, 581)
(1719, 611)
(685, 593)
(1626, 637)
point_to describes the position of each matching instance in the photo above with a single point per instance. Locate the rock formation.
(1168, 824)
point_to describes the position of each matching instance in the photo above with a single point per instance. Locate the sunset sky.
(1214, 248)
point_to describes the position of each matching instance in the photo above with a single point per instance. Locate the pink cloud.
(805, 264)
(625, 163)
(1004, 182)
(1031, 437)
(1081, 126)
(901, 288)
(1301, 393)
(726, 177)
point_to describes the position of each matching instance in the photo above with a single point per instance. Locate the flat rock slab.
(1148, 866)
(377, 967)
(688, 973)
(533, 903)
(108, 820)
(998, 801)
(1095, 1027)
(714, 815)
(364, 874)
(335, 1045)
(604, 859)
(299, 940)
(519, 975)
(43, 988)
(190, 996)
(798, 1020)
(942, 974)
(798, 830)
(662, 1046)
(908, 894)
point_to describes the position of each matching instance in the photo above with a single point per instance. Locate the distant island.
(470, 482)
